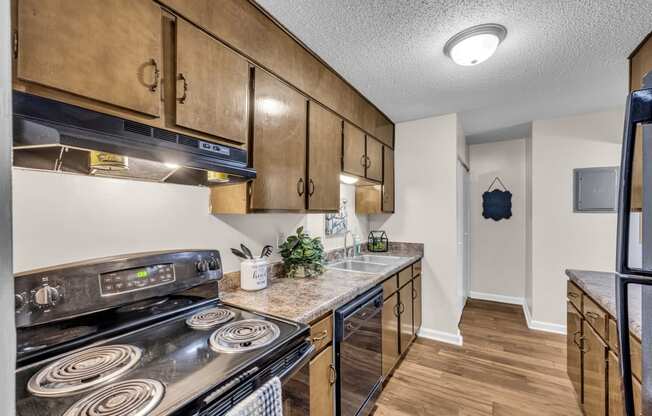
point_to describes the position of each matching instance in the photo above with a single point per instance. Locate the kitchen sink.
(358, 266)
(387, 260)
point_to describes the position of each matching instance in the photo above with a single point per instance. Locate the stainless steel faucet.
(346, 244)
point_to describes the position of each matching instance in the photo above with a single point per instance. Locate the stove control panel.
(73, 289)
(123, 281)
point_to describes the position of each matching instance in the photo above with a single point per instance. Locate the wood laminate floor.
(503, 369)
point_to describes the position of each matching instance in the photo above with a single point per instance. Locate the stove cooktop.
(36, 342)
(157, 369)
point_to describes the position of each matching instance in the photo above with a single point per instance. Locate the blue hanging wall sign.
(497, 204)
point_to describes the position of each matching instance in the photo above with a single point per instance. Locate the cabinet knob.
(311, 187)
(332, 374)
(301, 187)
(183, 97)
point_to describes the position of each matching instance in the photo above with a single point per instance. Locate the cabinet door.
(406, 322)
(417, 302)
(388, 180)
(109, 51)
(353, 150)
(573, 351)
(595, 372)
(324, 159)
(322, 383)
(212, 85)
(374, 165)
(390, 333)
(615, 389)
(279, 148)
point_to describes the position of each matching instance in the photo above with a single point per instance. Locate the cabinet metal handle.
(396, 312)
(183, 97)
(572, 295)
(363, 161)
(322, 335)
(332, 374)
(311, 187)
(368, 163)
(414, 293)
(402, 309)
(575, 334)
(157, 75)
(301, 187)
(592, 315)
(584, 348)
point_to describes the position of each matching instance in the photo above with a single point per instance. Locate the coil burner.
(136, 397)
(83, 370)
(244, 335)
(209, 318)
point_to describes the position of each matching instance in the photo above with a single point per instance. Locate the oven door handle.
(303, 360)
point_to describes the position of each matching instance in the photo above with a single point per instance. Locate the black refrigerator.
(634, 257)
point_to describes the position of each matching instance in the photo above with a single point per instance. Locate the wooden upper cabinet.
(324, 159)
(279, 145)
(109, 51)
(354, 157)
(374, 165)
(388, 180)
(212, 85)
(253, 33)
(594, 372)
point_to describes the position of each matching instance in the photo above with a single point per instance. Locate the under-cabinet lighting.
(348, 180)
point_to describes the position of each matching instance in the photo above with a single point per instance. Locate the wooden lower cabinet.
(406, 323)
(390, 351)
(322, 384)
(594, 372)
(417, 304)
(615, 389)
(573, 349)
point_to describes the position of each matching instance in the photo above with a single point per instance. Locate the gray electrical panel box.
(595, 189)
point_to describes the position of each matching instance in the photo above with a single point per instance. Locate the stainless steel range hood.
(51, 135)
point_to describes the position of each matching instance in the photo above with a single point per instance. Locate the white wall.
(498, 248)
(528, 224)
(426, 159)
(61, 218)
(562, 239)
(7, 324)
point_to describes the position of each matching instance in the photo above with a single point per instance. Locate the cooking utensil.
(266, 252)
(246, 251)
(239, 253)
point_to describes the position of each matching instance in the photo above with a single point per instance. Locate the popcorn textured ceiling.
(560, 57)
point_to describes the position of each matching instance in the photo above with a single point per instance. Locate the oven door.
(289, 368)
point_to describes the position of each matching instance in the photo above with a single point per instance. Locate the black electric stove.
(120, 336)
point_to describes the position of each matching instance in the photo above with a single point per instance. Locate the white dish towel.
(266, 401)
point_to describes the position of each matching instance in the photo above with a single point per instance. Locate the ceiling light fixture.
(475, 44)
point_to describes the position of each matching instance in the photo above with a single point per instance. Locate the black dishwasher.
(358, 350)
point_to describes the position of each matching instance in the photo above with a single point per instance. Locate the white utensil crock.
(253, 274)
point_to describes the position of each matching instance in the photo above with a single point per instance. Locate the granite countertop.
(601, 287)
(306, 299)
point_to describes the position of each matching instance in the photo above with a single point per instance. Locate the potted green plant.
(303, 256)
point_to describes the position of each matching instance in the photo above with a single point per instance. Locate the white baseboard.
(447, 337)
(513, 300)
(540, 325)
